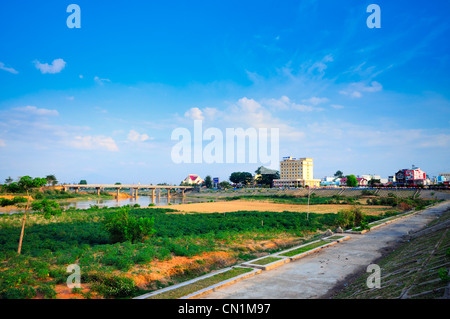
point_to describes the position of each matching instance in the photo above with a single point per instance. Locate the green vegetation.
(266, 261)
(46, 207)
(305, 248)
(123, 227)
(352, 218)
(23, 184)
(109, 243)
(335, 237)
(10, 202)
(352, 181)
(242, 178)
(201, 284)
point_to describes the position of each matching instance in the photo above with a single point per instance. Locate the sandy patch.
(262, 206)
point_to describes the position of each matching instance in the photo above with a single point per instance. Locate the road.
(315, 275)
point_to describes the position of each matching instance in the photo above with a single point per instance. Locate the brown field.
(262, 206)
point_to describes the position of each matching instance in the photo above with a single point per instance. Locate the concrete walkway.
(315, 275)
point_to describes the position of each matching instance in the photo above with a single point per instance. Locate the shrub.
(349, 218)
(123, 227)
(113, 286)
(46, 207)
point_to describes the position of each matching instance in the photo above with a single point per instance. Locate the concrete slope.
(315, 275)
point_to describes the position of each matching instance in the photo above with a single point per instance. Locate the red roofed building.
(193, 179)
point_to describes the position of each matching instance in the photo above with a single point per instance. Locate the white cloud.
(194, 114)
(337, 106)
(134, 136)
(2, 143)
(320, 66)
(36, 111)
(100, 81)
(315, 100)
(354, 90)
(250, 113)
(10, 70)
(285, 103)
(95, 143)
(57, 66)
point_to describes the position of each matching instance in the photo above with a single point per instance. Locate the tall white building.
(296, 172)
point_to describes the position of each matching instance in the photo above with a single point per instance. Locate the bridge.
(133, 188)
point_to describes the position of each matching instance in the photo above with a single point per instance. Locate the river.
(143, 201)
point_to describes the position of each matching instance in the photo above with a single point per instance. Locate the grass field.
(183, 246)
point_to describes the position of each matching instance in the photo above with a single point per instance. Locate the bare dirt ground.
(263, 206)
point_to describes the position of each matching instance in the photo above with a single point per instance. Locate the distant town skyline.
(100, 102)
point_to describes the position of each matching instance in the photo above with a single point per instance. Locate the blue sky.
(100, 102)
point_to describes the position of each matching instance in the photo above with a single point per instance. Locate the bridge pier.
(117, 194)
(98, 191)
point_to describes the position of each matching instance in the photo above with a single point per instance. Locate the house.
(193, 179)
(410, 177)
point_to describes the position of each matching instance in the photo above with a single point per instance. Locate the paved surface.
(314, 275)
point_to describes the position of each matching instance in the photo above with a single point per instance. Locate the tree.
(9, 180)
(208, 181)
(339, 174)
(267, 179)
(27, 182)
(224, 185)
(83, 182)
(51, 180)
(374, 182)
(352, 181)
(242, 178)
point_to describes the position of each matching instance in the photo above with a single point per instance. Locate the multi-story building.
(296, 172)
(410, 177)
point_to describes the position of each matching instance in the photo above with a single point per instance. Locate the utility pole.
(23, 224)
(309, 193)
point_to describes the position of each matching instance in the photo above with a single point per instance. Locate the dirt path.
(314, 276)
(262, 206)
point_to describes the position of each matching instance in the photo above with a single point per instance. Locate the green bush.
(123, 227)
(113, 286)
(350, 218)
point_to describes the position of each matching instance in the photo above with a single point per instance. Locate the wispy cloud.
(55, 67)
(33, 110)
(100, 81)
(10, 70)
(355, 89)
(95, 143)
